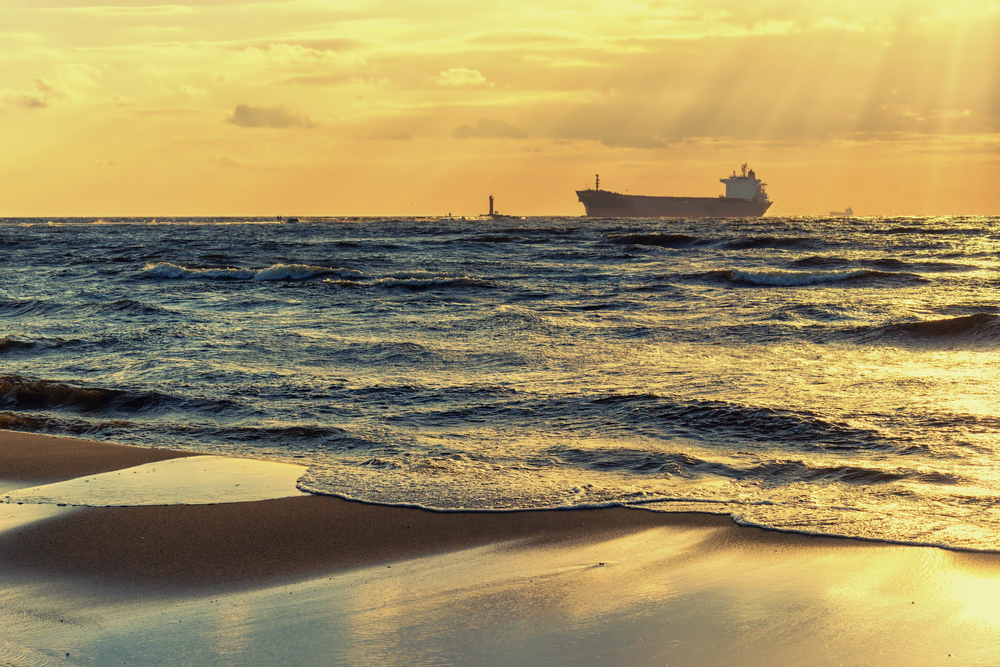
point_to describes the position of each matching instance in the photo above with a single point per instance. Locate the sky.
(408, 107)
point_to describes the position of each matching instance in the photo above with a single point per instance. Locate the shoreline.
(259, 543)
(321, 580)
(240, 545)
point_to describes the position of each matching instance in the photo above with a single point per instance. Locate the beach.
(319, 580)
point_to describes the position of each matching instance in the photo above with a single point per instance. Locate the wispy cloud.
(67, 83)
(460, 77)
(226, 162)
(36, 97)
(489, 128)
(280, 117)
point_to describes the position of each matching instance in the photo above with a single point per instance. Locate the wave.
(930, 267)
(421, 280)
(660, 240)
(271, 273)
(928, 231)
(491, 238)
(889, 264)
(12, 344)
(782, 278)
(311, 434)
(981, 327)
(30, 306)
(755, 242)
(785, 278)
(291, 440)
(820, 261)
(128, 306)
(10, 421)
(777, 472)
(757, 424)
(22, 393)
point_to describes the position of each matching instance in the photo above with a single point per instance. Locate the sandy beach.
(318, 580)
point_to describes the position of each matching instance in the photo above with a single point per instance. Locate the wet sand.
(336, 582)
(41, 459)
(257, 543)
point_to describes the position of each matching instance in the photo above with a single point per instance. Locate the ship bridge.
(744, 186)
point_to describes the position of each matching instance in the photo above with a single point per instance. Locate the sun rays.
(331, 108)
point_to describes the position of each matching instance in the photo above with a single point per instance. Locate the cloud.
(296, 55)
(489, 128)
(191, 91)
(226, 162)
(67, 85)
(278, 117)
(26, 100)
(460, 77)
(229, 162)
(39, 97)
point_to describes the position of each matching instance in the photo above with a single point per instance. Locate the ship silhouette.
(745, 197)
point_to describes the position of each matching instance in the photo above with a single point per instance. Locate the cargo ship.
(745, 197)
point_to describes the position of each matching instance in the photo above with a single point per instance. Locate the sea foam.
(779, 277)
(273, 272)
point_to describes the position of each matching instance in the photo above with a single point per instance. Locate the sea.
(834, 376)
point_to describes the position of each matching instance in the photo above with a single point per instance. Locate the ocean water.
(833, 376)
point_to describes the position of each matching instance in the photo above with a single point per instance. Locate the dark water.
(830, 376)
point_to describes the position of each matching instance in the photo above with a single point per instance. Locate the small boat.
(846, 213)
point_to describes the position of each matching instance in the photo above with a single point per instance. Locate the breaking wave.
(26, 394)
(420, 280)
(273, 272)
(888, 264)
(415, 281)
(786, 471)
(981, 327)
(23, 393)
(11, 421)
(782, 278)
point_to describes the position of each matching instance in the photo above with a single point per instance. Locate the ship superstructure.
(745, 197)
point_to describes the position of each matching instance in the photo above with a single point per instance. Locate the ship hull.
(605, 204)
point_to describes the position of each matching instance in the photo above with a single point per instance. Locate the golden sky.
(382, 107)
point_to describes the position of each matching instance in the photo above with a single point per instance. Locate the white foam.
(291, 272)
(422, 279)
(273, 272)
(196, 480)
(168, 270)
(782, 278)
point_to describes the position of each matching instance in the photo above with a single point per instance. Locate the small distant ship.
(745, 197)
(846, 213)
